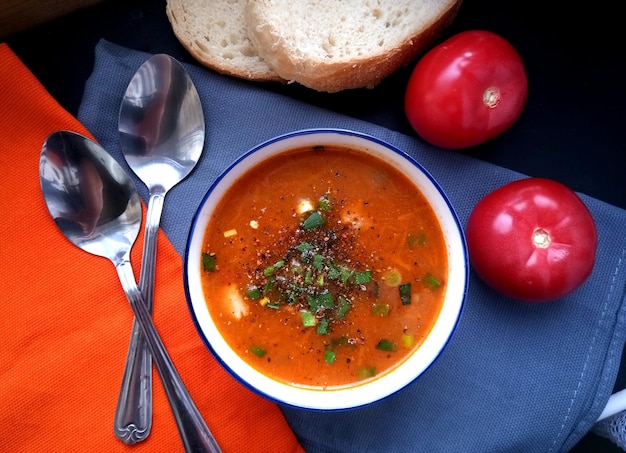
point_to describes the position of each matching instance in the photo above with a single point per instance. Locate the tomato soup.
(324, 266)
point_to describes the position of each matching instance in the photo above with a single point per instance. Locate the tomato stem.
(541, 238)
(491, 97)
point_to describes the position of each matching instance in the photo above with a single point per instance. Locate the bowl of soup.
(326, 269)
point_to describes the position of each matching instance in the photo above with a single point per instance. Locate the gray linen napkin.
(515, 377)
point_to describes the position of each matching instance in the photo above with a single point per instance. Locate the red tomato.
(467, 90)
(532, 239)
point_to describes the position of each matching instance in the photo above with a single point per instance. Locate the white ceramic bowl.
(362, 393)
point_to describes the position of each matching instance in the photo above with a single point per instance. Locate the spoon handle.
(133, 415)
(194, 432)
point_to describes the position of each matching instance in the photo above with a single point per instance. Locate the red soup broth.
(324, 266)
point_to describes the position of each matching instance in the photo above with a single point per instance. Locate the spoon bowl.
(161, 132)
(161, 123)
(96, 206)
(90, 198)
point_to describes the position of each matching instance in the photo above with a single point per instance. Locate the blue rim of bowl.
(290, 135)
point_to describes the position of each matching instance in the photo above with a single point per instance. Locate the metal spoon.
(95, 204)
(161, 127)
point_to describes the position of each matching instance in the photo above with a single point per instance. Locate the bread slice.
(331, 45)
(214, 33)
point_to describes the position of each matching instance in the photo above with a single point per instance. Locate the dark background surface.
(572, 128)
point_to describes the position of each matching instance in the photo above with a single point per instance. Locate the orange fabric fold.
(65, 322)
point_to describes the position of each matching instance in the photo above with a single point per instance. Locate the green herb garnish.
(308, 320)
(380, 309)
(268, 271)
(253, 293)
(386, 345)
(405, 293)
(314, 303)
(367, 372)
(258, 351)
(431, 282)
(208, 262)
(304, 247)
(315, 220)
(344, 307)
(360, 278)
(392, 277)
(318, 261)
(413, 240)
(323, 327)
(326, 300)
(324, 203)
(315, 274)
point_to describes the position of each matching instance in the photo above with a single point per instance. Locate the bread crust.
(334, 76)
(203, 42)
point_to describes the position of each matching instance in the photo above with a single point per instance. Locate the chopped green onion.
(323, 327)
(386, 345)
(367, 372)
(339, 273)
(304, 247)
(333, 272)
(405, 293)
(324, 203)
(431, 282)
(314, 303)
(392, 277)
(273, 305)
(308, 320)
(268, 271)
(308, 277)
(361, 278)
(208, 262)
(320, 280)
(344, 307)
(253, 293)
(318, 261)
(258, 351)
(269, 285)
(414, 240)
(326, 300)
(380, 309)
(315, 220)
(279, 264)
(329, 356)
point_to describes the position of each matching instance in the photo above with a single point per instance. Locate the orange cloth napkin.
(65, 322)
